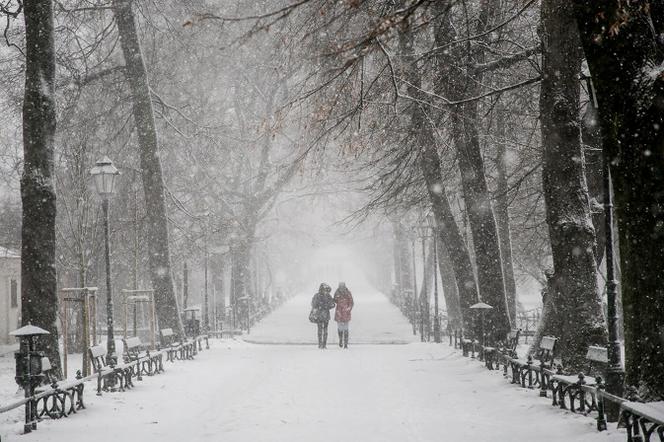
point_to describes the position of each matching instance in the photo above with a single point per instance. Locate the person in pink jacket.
(344, 301)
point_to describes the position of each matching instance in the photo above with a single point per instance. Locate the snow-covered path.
(375, 321)
(239, 391)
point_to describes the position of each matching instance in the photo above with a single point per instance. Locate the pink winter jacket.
(344, 300)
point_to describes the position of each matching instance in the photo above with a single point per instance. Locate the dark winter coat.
(322, 302)
(344, 300)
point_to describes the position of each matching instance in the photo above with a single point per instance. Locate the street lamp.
(28, 369)
(104, 175)
(615, 374)
(482, 307)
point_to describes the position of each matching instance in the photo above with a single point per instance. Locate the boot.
(346, 339)
(341, 339)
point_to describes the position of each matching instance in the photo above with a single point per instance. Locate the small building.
(10, 294)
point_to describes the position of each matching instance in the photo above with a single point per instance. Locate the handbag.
(313, 315)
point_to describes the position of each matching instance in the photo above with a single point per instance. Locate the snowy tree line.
(476, 111)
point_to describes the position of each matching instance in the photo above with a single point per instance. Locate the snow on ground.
(239, 391)
(374, 321)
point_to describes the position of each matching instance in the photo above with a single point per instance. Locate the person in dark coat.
(343, 298)
(322, 303)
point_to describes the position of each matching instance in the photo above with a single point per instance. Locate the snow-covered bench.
(56, 398)
(643, 420)
(140, 360)
(182, 350)
(503, 352)
(107, 376)
(579, 390)
(529, 372)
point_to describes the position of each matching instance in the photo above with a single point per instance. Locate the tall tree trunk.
(574, 309)
(591, 137)
(151, 172)
(465, 134)
(448, 231)
(395, 293)
(622, 43)
(447, 228)
(503, 218)
(39, 298)
(450, 290)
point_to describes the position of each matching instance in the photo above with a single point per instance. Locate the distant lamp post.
(482, 307)
(104, 175)
(28, 369)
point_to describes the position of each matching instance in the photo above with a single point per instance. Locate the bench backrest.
(598, 354)
(132, 348)
(598, 358)
(132, 343)
(513, 339)
(167, 336)
(546, 350)
(47, 371)
(548, 342)
(98, 357)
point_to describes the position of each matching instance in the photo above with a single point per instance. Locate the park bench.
(531, 369)
(467, 346)
(504, 352)
(580, 389)
(494, 355)
(120, 375)
(643, 420)
(56, 398)
(140, 360)
(178, 351)
(200, 340)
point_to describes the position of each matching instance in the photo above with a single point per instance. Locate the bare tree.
(151, 172)
(39, 298)
(572, 309)
(622, 44)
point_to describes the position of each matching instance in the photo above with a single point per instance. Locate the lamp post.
(615, 374)
(104, 175)
(28, 369)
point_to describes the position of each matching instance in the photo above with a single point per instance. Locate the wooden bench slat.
(97, 351)
(598, 354)
(548, 342)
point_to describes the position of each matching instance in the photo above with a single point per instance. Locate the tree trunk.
(622, 43)
(447, 228)
(39, 298)
(459, 84)
(153, 184)
(591, 137)
(448, 231)
(395, 291)
(241, 274)
(450, 290)
(503, 219)
(574, 309)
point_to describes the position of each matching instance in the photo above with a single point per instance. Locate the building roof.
(8, 253)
